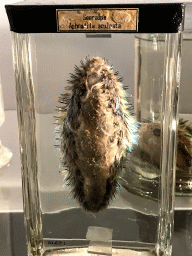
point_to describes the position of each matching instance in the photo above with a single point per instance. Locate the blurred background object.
(5, 153)
(6, 63)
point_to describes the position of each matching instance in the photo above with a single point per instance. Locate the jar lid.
(53, 17)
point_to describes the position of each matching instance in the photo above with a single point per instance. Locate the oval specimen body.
(97, 131)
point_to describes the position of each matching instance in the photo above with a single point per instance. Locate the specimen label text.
(97, 20)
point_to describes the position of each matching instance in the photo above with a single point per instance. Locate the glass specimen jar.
(88, 139)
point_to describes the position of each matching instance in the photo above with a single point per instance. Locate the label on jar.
(100, 240)
(54, 242)
(99, 20)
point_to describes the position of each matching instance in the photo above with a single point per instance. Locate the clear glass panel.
(114, 143)
(149, 76)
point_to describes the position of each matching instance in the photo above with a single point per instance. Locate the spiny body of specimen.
(97, 130)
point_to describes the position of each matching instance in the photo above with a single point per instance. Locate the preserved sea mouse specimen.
(97, 130)
(149, 144)
(184, 145)
(144, 165)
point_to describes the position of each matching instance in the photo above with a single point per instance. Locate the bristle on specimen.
(97, 130)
